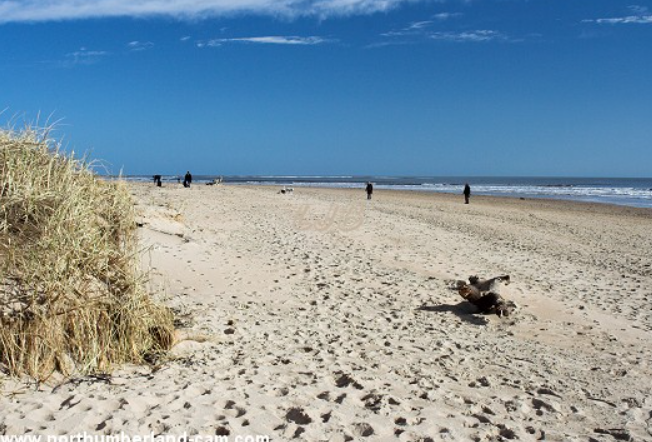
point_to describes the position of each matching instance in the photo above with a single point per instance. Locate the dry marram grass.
(72, 297)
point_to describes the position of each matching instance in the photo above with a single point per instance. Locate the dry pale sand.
(320, 316)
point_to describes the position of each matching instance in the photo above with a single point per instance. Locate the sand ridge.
(330, 318)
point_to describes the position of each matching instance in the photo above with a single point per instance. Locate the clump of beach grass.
(72, 295)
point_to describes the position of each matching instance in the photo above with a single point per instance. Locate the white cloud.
(420, 27)
(446, 15)
(49, 10)
(639, 10)
(470, 36)
(276, 39)
(384, 44)
(208, 44)
(639, 19)
(84, 57)
(415, 28)
(641, 16)
(139, 45)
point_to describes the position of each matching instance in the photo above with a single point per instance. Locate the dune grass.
(72, 297)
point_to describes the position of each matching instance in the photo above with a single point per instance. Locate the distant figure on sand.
(187, 179)
(467, 193)
(369, 189)
(157, 180)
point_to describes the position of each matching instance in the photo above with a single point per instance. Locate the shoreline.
(477, 199)
(453, 195)
(627, 192)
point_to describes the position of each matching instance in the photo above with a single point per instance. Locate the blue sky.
(387, 87)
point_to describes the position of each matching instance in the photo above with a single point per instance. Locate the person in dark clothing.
(157, 180)
(467, 193)
(187, 179)
(369, 189)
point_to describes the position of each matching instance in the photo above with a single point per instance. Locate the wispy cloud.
(421, 27)
(425, 30)
(477, 36)
(640, 19)
(639, 10)
(53, 10)
(84, 56)
(639, 15)
(275, 40)
(446, 15)
(139, 45)
(417, 26)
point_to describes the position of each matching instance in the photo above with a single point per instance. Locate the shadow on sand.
(465, 311)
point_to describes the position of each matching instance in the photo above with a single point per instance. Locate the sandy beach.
(321, 316)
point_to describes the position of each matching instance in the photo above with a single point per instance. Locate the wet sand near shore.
(321, 316)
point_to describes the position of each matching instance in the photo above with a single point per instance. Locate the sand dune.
(320, 316)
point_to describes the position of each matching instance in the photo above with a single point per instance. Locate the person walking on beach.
(369, 189)
(467, 193)
(187, 179)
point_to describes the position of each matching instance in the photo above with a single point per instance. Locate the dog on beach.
(285, 190)
(485, 294)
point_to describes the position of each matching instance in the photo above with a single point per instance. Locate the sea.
(635, 192)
